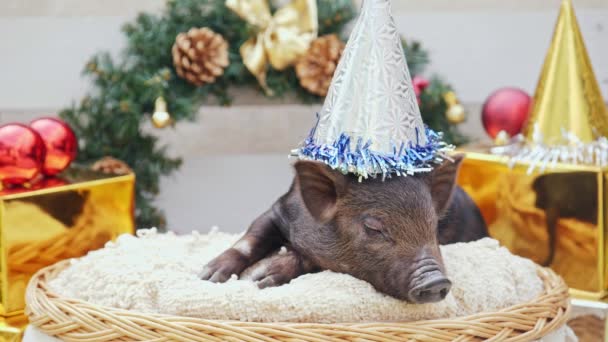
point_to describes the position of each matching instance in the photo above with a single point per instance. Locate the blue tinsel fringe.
(364, 162)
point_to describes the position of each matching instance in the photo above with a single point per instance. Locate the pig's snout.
(427, 280)
(432, 290)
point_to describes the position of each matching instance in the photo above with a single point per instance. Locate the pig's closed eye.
(373, 227)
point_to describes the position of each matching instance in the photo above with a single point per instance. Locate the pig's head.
(383, 232)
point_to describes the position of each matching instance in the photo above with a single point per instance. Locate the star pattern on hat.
(371, 95)
(370, 123)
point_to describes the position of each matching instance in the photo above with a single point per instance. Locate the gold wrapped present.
(544, 194)
(56, 219)
(556, 218)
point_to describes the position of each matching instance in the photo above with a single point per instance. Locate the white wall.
(478, 45)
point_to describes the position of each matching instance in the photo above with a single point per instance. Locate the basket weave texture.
(79, 321)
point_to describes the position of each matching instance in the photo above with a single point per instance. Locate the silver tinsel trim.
(571, 150)
(360, 159)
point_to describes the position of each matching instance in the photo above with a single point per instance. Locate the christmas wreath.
(194, 50)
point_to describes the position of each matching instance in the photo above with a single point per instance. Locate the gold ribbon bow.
(281, 39)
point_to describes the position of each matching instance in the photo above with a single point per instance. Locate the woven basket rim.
(77, 320)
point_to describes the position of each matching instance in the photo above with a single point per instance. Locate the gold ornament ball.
(161, 117)
(450, 98)
(502, 138)
(456, 114)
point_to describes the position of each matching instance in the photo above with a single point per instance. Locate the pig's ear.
(320, 187)
(442, 182)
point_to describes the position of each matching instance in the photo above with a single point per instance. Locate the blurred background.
(235, 158)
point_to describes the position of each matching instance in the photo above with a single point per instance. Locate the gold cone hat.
(568, 97)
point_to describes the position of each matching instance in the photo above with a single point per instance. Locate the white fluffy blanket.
(158, 273)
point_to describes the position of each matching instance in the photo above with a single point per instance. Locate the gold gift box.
(56, 219)
(555, 217)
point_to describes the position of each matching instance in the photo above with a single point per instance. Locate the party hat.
(568, 98)
(370, 123)
(568, 122)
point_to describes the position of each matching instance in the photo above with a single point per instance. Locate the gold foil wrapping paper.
(43, 226)
(556, 218)
(11, 328)
(544, 195)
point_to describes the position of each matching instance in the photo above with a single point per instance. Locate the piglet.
(386, 232)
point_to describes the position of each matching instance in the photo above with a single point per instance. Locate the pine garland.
(109, 120)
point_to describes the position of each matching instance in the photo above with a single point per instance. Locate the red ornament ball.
(22, 154)
(506, 110)
(420, 84)
(60, 141)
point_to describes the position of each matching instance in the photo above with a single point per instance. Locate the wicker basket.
(75, 320)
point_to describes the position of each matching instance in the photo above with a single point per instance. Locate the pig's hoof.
(274, 271)
(220, 269)
(272, 278)
(271, 281)
(215, 275)
(280, 269)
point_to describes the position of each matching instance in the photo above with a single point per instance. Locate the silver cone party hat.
(370, 123)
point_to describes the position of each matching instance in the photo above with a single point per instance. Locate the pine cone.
(111, 165)
(316, 69)
(200, 56)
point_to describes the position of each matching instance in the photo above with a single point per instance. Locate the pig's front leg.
(280, 268)
(260, 239)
